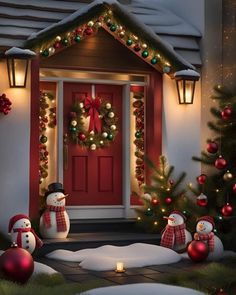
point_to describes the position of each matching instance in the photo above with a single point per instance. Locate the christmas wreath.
(102, 123)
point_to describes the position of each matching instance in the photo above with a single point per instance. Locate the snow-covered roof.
(21, 19)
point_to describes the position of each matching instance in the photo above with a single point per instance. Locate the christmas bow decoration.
(93, 105)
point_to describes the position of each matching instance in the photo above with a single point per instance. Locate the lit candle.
(120, 267)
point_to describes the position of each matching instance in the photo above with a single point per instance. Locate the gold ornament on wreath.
(102, 118)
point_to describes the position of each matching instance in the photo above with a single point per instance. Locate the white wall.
(14, 152)
(181, 130)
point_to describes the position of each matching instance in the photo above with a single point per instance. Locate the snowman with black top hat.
(55, 222)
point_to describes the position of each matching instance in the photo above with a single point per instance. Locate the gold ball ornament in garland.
(102, 119)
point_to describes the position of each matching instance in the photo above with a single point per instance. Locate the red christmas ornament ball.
(234, 188)
(57, 45)
(201, 179)
(198, 251)
(226, 113)
(168, 200)
(212, 147)
(82, 136)
(88, 31)
(227, 210)
(16, 264)
(155, 201)
(220, 163)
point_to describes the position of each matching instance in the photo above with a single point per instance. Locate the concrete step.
(80, 241)
(103, 225)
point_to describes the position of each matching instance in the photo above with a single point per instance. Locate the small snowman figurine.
(54, 222)
(204, 232)
(175, 235)
(22, 234)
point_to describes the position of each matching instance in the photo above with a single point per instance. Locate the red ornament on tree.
(82, 136)
(227, 210)
(16, 264)
(212, 147)
(155, 201)
(202, 200)
(168, 200)
(226, 113)
(198, 251)
(201, 179)
(234, 188)
(222, 292)
(220, 163)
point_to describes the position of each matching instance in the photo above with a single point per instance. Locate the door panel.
(94, 177)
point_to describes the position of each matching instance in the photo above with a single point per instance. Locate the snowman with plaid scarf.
(204, 232)
(55, 222)
(175, 236)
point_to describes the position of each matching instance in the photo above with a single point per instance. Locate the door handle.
(65, 151)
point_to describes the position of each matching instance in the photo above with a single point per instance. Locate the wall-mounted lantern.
(185, 82)
(17, 66)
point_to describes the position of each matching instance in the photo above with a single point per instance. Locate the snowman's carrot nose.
(201, 226)
(169, 218)
(61, 198)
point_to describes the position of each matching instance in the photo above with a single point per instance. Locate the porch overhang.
(167, 60)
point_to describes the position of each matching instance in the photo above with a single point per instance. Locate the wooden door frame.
(126, 210)
(104, 211)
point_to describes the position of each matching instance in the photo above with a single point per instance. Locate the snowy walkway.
(150, 274)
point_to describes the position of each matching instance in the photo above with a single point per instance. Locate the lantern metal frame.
(182, 80)
(11, 68)
(23, 56)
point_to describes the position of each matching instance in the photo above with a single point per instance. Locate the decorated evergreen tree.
(216, 191)
(161, 197)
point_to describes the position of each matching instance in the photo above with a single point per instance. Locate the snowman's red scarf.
(174, 234)
(60, 217)
(209, 238)
(19, 232)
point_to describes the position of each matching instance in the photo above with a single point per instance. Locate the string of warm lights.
(108, 22)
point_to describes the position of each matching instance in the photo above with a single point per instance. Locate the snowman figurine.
(22, 234)
(54, 222)
(175, 235)
(204, 232)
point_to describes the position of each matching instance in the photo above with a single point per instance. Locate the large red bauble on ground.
(212, 147)
(16, 264)
(227, 210)
(220, 163)
(198, 251)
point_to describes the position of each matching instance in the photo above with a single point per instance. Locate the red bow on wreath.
(93, 105)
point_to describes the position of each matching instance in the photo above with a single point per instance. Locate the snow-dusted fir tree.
(216, 191)
(163, 195)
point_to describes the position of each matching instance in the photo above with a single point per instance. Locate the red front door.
(94, 177)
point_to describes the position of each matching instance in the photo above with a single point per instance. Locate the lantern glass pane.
(10, 68)
(189, 91)
(20, 66)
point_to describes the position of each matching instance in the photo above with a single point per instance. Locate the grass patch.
(48, 285)
(209, 279)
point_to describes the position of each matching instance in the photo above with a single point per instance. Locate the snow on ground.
(40, 268)
(140, 289)
(105, 257)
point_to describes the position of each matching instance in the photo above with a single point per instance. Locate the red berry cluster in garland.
(138, 106)
(5, 104)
